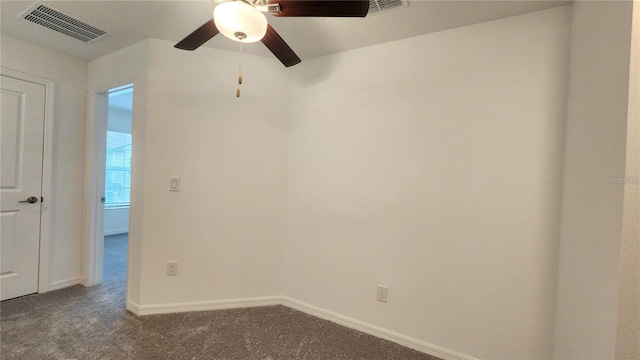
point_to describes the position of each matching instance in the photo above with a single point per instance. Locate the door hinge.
(103, 199)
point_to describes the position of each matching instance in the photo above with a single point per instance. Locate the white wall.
(433, 165)
(225, 227)
(116, 221)
(70, 76)
(592, 210)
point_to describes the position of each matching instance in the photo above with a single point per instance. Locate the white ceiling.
(132, 21)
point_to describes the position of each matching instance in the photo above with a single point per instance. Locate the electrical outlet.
(172, 268)
(382, 293)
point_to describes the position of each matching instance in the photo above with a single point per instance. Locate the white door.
(21, 146)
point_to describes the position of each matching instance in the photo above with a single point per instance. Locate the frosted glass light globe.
(240, 21)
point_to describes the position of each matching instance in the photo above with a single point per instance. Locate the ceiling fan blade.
(200, 36)
(322, 8)
(279, 48)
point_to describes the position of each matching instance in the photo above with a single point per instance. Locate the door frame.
(95, 157)
(47, 171)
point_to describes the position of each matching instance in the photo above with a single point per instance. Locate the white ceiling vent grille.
(378, 6)
(55, 19)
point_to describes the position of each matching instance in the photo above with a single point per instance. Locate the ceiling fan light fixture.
(240, 21)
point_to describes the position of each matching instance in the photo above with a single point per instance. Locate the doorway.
(108, 172)
(117, 183)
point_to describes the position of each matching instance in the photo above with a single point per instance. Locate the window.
(118, 170)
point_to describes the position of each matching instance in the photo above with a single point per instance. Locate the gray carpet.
(92, 323)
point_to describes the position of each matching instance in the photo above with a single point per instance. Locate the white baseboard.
(142, 310)
(370, 329)
(133, 307)
(61, 284)
(375, 330)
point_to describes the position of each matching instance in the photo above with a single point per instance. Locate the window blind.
(118, 170)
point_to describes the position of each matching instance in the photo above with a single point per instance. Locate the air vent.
(55, 19)
(378, 6)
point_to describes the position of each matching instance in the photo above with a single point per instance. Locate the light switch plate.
(174, 183)
(382, 293)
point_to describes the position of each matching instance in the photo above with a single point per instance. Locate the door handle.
(30, 200)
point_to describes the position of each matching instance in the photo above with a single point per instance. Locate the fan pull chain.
(239, 69)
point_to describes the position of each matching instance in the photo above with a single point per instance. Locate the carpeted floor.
(92, 323)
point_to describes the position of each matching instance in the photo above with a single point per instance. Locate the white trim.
(116, 232)
(375, 330)
(61, 284)
(91, 254)
(47, 169)
(133, 307)
(108, 207)
(142, 310)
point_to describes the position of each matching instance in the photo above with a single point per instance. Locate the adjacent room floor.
(92, 323)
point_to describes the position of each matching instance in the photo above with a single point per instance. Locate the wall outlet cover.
(172, 268)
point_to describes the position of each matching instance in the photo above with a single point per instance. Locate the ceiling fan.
(243, 21)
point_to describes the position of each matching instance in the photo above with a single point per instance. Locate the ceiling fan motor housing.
(240, 21)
